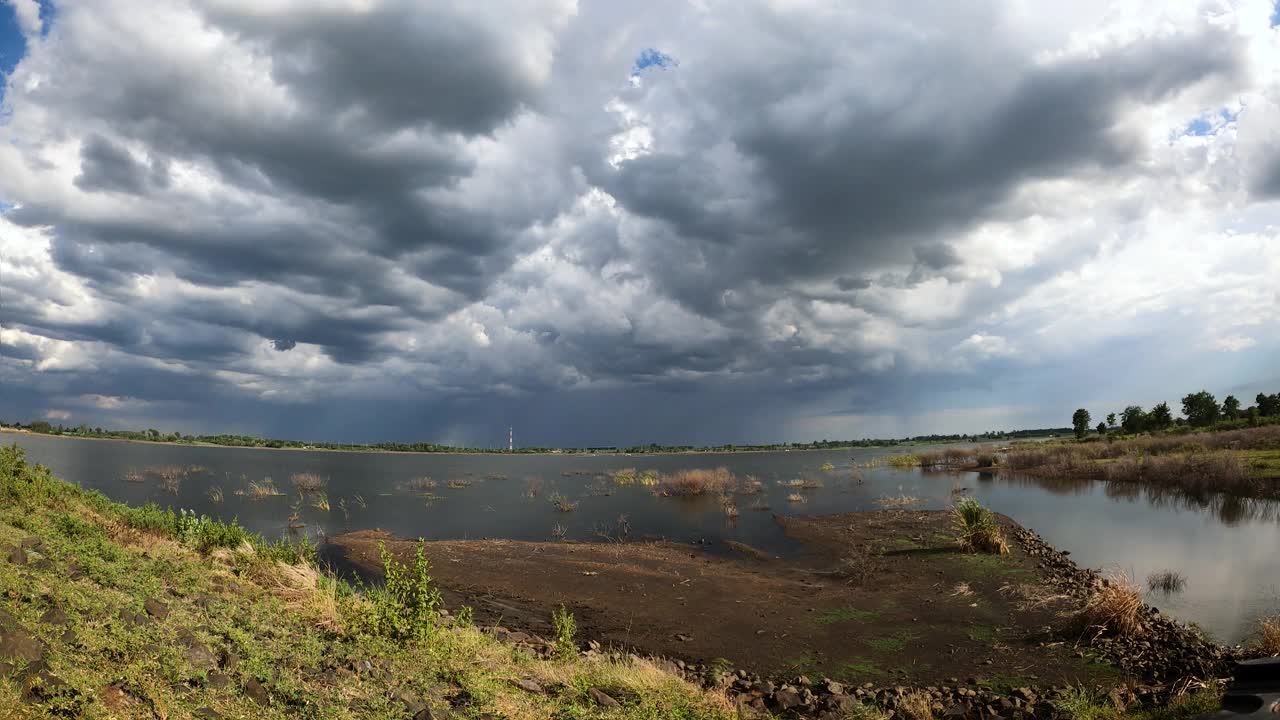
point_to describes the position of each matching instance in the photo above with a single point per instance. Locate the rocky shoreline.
(1166, 659)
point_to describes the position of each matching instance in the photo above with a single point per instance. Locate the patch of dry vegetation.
(898, 502)
(258, 489)
(698, 481)
(420, 485)
(976, 528)
(1114, 607)
(308, 482)
(1269, 636)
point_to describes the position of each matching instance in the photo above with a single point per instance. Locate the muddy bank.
(879, 597)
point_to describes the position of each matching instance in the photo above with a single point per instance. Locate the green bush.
(407, 606)
(565, 628)
(977, 529)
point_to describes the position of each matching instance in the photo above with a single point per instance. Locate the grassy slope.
(260, 615)
(297, 633)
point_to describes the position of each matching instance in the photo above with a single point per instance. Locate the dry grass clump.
(796, 498)
(532, 486)
(699, 481)
(650, 478)
(165, 472)
(915, 705)
(1114, 607)
(751, 486)
(320, 501)
(902, 461)
(458, 483)
(306, 591)
(729, 507)
(258, 489)
(559, 531)
(133, 476)
(810, 484)
(898, 502)
(951, 458)
(976, 528)
(215, 495)
(170, 484)
(625, 476)
(422, 484)
(1198, 474)
(827, 467)
(308, 482)
(1269, 635)
(1166, 581)
(793, 482)
(562, 503)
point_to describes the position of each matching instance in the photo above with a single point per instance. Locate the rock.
(785, 699)
(228, 660)
(529, 686)
(18, 556)
(834, 687)
(412, 703)
(155, 608)
(200, 658)
(115, 699)
(54, 616)
(427, 713)
(133, 619)
(602, 698)
(16, 644)
(41, 564)
(69, 637)
(42, 686)
(207, 712)
(255, 691)
(218, 680)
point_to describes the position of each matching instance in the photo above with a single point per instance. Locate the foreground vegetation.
(110, 611)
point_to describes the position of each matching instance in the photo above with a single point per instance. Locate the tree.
(1160, 417)
(1080, 421)
(1268, 405)
(1201, 408)
(1230, 407)
(1133, 419)
(40, 426)
(1111, 420)
(1102, 428)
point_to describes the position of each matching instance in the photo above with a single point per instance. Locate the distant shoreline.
(379, 451)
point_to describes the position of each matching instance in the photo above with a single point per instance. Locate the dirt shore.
(877, 597)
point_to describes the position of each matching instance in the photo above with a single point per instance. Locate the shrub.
(976, 528)
(562, 503)
(215, 495)
(1114, 607)
(407, 606)
(902, 461)
(308, 482)
(625, 476)
(257, 489)
(1166, 581)
(698, 482)
(564, 628)
(1269, 635)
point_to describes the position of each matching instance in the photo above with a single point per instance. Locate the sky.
(599, 223)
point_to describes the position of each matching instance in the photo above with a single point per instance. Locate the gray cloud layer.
(820, 222)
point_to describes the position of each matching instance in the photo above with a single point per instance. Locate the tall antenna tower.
(511, 440)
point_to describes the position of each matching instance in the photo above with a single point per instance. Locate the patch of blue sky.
(1275, 15)
(1210, 123)
(650, 57)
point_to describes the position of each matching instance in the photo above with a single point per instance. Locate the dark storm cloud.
(862, 182)
(470, 206)
(106, 166)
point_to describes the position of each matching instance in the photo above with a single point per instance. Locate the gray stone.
(256, 692)
(18, 556)
(200, 658)
(785, 699)
(529, 685)
(155, 608)
(602, 698)
(54, 616)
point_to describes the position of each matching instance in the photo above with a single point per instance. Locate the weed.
(308, 482)
(1114, 607)
(458, 483)
(421, 484)
(729, 508)
(133, 476)
(358, 499)
(902, 461)
(625, 476)
(751, 486)
(562, 503)
(828, 467)
(698, 482)
(564, 627)
(915, 705)
(320, 501)
(1269, 635)
(465, 617)
(258, 489)
(215, 495)
(559, 531)
(981, 633)
(170, 483)
(532, 486)
(810, 484)
(796, 498)
(407, 605)
(976, 528)
(1166, 581)
(901, 501)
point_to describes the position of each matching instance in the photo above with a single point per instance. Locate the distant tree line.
(153, 435)
(1199, 410)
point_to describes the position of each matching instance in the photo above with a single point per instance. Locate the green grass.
(1086, 705)
(1006, 683)
(892, 643)
(859, 669)
(992, 566)
(1262, 463)
(294, 628)
(981, 633)
(847, 614)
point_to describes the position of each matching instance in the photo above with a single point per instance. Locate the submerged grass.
(1166, 581)
(700, 481)
(229, 594)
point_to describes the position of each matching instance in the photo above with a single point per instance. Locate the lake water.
(1226, 549)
